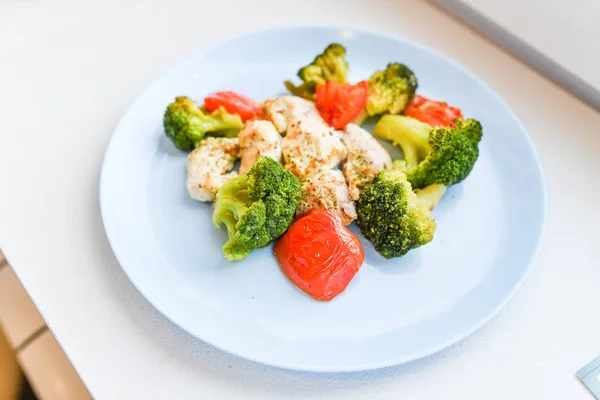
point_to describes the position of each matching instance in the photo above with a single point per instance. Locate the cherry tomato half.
(233, 103)
(319, 254)
(435, 113)
(340, 103)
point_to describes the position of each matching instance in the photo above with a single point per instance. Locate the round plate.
(394, 311)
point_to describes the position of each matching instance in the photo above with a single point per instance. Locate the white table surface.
(68, 72)
(557, 25)
(557, 37)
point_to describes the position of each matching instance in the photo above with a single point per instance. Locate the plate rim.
(528, 268)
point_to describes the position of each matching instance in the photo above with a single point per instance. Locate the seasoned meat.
(258, 138)
(208, 164)
(366, 158)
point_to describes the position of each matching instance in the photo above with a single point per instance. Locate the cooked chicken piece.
(208, 164)
(309, 146)
(258, 138)
(327, 189)
(286, 110)
(366, 158)
(309, 143)
(299, 109)
(275, 110)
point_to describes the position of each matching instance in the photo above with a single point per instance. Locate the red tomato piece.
(319, 254)
(340, 103)
(233, 103)
(435, 113)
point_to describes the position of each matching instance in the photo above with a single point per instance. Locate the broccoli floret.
(432, 155)
(187, 124)
(256, 207)
(331, 65)
(391, 89)
(393, 217)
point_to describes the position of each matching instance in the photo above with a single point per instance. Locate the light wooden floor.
(11, 377)
(10, 373)
(28, 348)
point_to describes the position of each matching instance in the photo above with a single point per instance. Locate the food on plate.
(233, 103)
(331, 65)
(393, 217)
(443, 155)
(366, 158)
(341, 103)
(326, 189)
(309, 143)
(286, 111)
(319, 254)
(391, 90)
(208, 166)
(275, 110)
(432, 112)
(308, 169)
(311, 150)
(256, 207)
(258, 138)
(186, 124)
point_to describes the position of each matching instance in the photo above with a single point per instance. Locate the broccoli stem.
(236, 202)
(306, 90)
(430, 195)
(410, 134)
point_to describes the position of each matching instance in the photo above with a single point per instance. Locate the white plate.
(489, 226)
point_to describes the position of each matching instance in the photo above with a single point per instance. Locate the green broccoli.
(390, 91)
(187, 124)
(432, 155)
(256, 207)
(331, 65)
(393, 217)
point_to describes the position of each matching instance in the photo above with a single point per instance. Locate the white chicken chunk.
(208, 164)
(275, 110)
(366, 158)
(299, 109)
(258, 138)
(309, 143)
(285, 110)
(327, 189)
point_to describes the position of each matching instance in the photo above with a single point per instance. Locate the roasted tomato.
(319, 254)
(435, 113)
(233, 103)
(340, 103)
